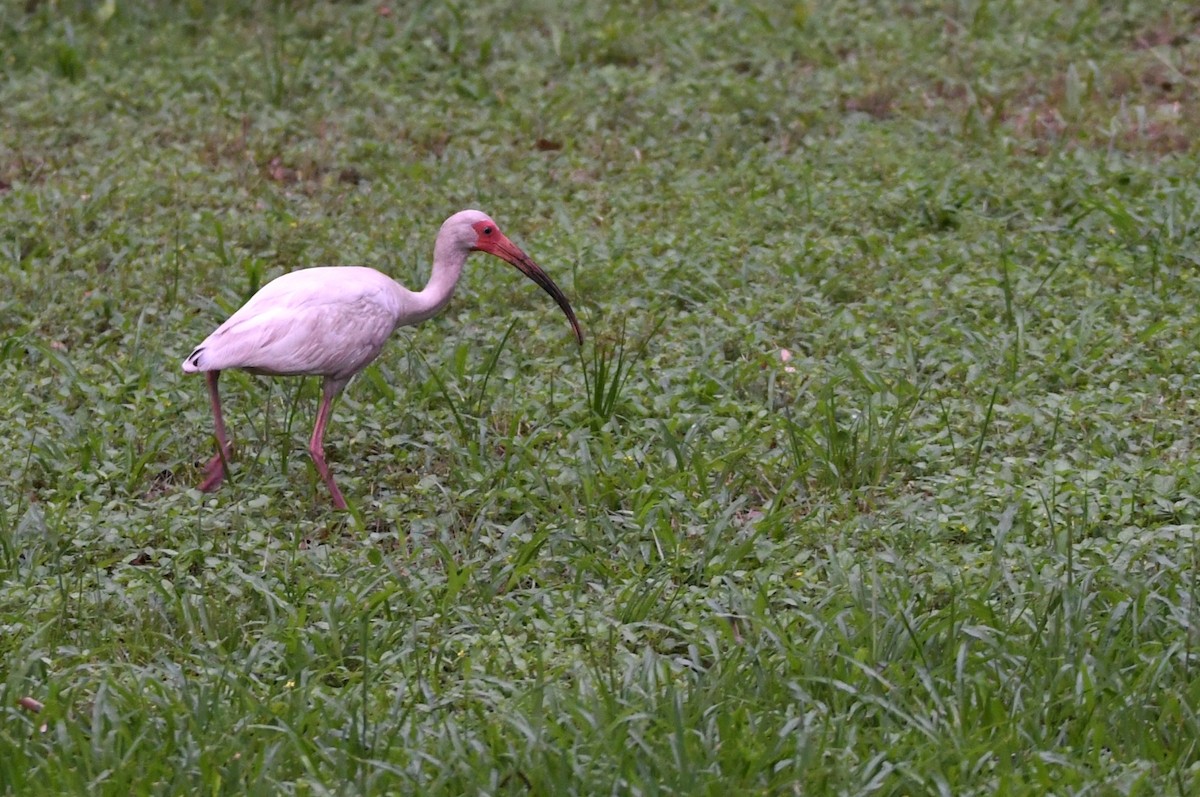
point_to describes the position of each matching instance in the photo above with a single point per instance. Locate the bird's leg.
(316, 446)
(214, 471)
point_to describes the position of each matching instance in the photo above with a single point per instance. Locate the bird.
(333, 321)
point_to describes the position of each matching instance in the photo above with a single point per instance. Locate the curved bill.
(509, 252)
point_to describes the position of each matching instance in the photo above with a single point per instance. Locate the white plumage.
(333, 321)
(327, 321)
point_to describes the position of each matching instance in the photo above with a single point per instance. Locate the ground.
(876, 472)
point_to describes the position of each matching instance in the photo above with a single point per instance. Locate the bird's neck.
(447, 268)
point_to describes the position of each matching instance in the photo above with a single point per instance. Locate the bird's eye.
(487, 230)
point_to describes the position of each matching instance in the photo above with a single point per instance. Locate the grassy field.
(877, 472)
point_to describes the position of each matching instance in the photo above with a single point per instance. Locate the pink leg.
(214, 471)
(316, 446)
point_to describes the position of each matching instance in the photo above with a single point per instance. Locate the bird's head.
(476, 232)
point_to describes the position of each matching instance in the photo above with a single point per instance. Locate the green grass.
(948, 547)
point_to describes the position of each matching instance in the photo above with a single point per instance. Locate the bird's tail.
(192, 364)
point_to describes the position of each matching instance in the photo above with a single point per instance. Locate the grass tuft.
(612, 363)
(848, 448)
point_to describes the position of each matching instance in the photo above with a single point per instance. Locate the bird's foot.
(214, 473)
(338, 501)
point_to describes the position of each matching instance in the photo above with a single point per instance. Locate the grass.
(949, 546)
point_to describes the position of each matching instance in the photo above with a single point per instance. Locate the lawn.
(876, 474)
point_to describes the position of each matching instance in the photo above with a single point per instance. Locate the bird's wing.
(312, 322)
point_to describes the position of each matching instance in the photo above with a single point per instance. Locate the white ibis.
(332, 322)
